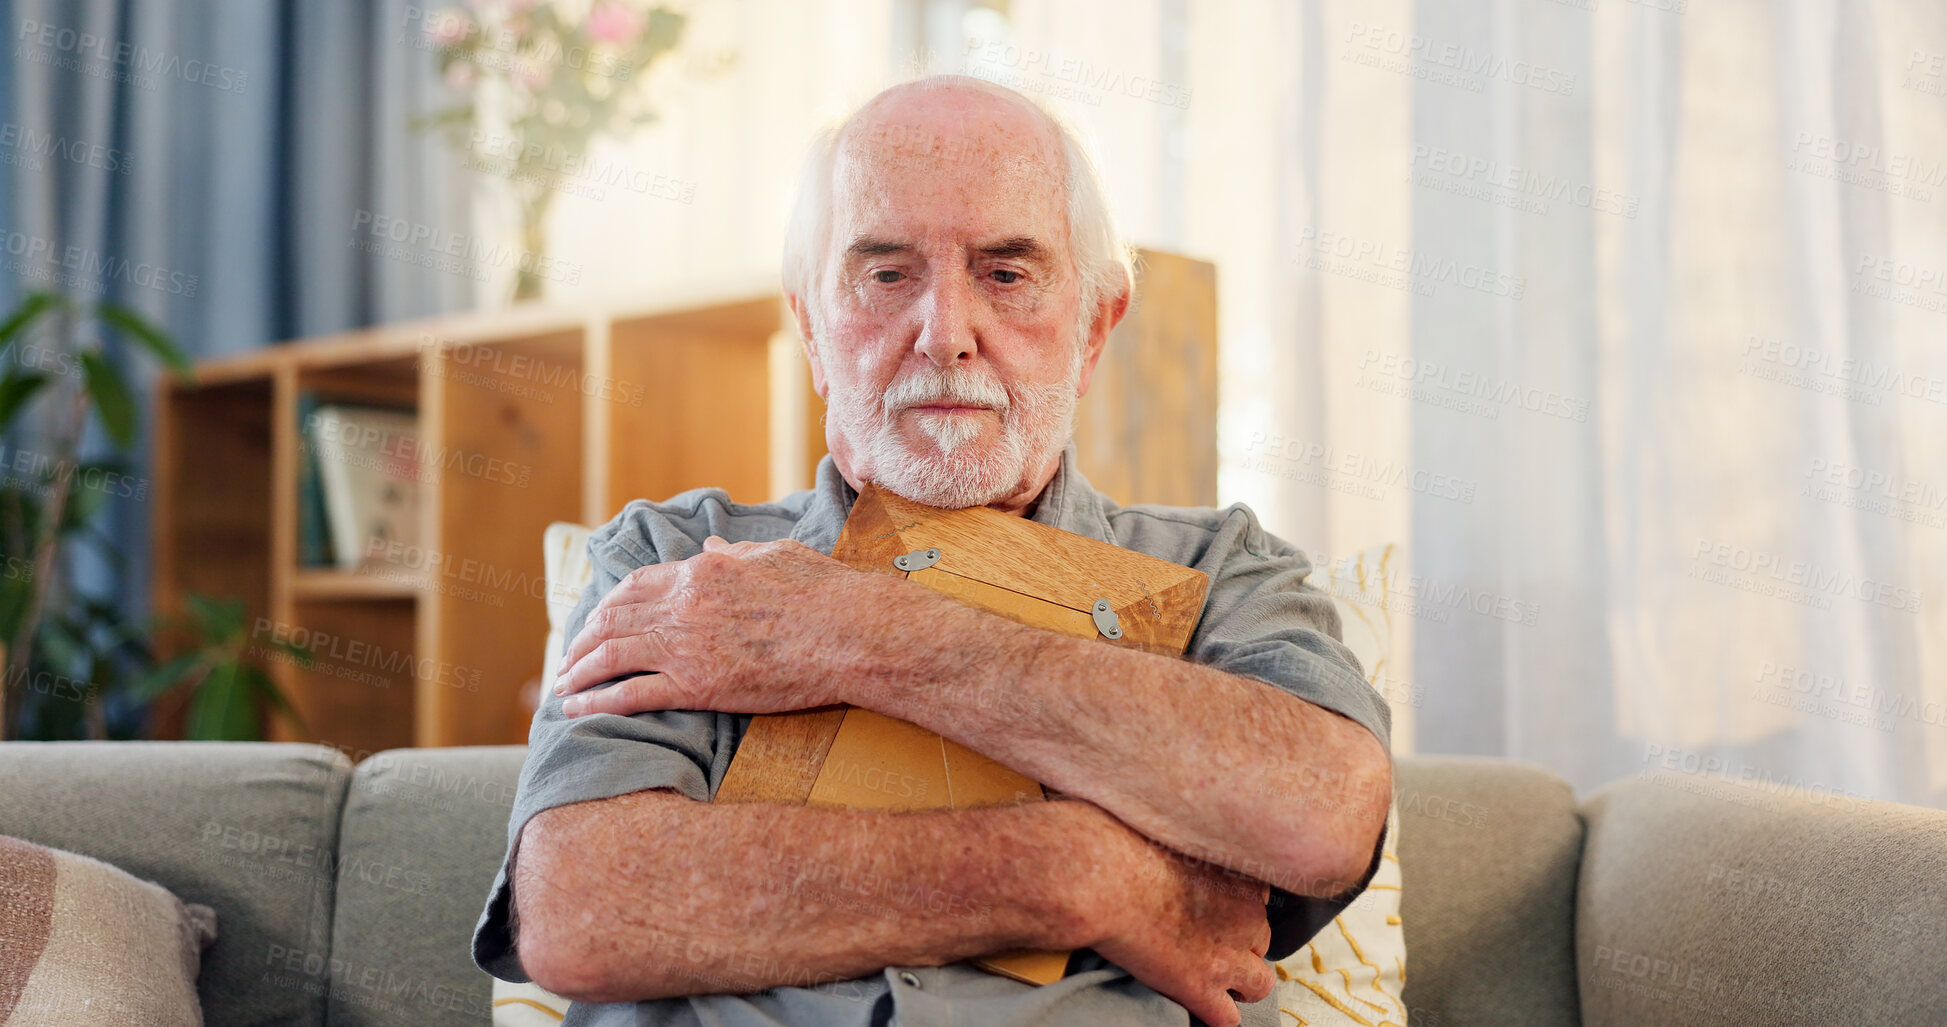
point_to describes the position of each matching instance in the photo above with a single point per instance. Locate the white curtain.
(1626, 321)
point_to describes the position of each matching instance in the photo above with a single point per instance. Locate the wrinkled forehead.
(950, 154)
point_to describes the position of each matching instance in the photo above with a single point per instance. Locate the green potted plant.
(70, 653)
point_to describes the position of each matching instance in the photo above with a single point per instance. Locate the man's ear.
(802, 313)
(1108, 314)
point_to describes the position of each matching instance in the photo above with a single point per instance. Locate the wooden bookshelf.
(542, 413)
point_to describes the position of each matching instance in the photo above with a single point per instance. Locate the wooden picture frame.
(846, 757)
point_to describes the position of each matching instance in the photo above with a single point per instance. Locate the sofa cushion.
(1710, 900)
(84, 942)
(245, 828)
(1492, 848)
(423, 835)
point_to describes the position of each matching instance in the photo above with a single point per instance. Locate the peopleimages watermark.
(1926, 72)
(1870, 704)
(1755, 883)
(1865, 165)
(449, 574)
(1398, 267)
(1086, 81)
(1511, 185)
(379, 665)
(1745, 784)
(1448, 64)
(1797, 581)
(562, 170)
(86, 269)
(456, 253)
(1442, 385)
(398, 454)
(503, 370)
(29, 147)
(1904, 282)
(1683, 982)
(132, 63)
(1876, 492)
(1823, 370)
(348, 982)
(1347, 471)
(42, 472)
(1428, 597)
(503, 47)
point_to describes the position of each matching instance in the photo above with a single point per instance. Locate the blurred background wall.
(1626, 322)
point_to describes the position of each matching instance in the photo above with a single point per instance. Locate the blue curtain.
(211, 163)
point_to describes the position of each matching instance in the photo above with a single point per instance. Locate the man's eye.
(1006, 277)
(888, 277)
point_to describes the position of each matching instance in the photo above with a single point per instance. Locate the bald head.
(942, 129)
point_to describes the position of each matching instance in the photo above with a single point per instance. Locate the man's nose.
(946, 328)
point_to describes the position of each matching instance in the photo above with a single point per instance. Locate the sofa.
(346, 895)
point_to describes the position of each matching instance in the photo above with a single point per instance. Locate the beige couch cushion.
(1494, 845)
(1706, 899)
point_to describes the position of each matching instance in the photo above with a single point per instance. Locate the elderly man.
(955, 277)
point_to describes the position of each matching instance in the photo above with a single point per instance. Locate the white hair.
(1102, 259)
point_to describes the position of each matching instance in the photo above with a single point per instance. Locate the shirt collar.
(1067, 502)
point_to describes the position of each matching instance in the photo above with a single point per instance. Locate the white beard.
(943, 464)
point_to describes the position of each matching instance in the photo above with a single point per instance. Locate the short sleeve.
(600, 756)
(1263, 620)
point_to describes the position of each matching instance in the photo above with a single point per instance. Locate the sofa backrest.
(247, 829)
(1706, 899)
(423, 833)
(1488, 851)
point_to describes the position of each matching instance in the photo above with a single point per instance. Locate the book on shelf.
(368, 473)
(314, 530)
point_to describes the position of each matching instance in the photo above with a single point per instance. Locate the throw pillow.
(1354, 971)
(84, 942)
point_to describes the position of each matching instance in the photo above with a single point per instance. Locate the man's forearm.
(653, 895)
(1219, 767)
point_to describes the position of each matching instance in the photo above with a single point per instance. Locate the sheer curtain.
(1626, 321)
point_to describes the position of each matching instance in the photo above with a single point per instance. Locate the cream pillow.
(1354, 971)
(565, 558)
(84, 942)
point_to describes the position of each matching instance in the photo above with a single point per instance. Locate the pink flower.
(532, 73)
(615, 22)
(462, 75)
(448, 26)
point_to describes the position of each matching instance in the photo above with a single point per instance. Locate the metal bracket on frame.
(917, 560)
(1105, 619)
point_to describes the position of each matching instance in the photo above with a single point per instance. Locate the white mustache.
(932, 386)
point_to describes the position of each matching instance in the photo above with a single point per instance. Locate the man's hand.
(1191, 930)
(743, 627)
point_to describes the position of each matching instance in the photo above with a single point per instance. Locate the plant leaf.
(224, 709)
(15, 390)
(165, 677)
(261, 684)
(111, 396)
(145, 333)
(217, 620)
(31, 307)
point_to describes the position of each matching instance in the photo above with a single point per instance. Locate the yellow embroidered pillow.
(1354, 971)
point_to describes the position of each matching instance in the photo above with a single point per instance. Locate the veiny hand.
(742, 627)
(1190, 929)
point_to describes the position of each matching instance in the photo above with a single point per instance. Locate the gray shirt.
(1260, 620)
